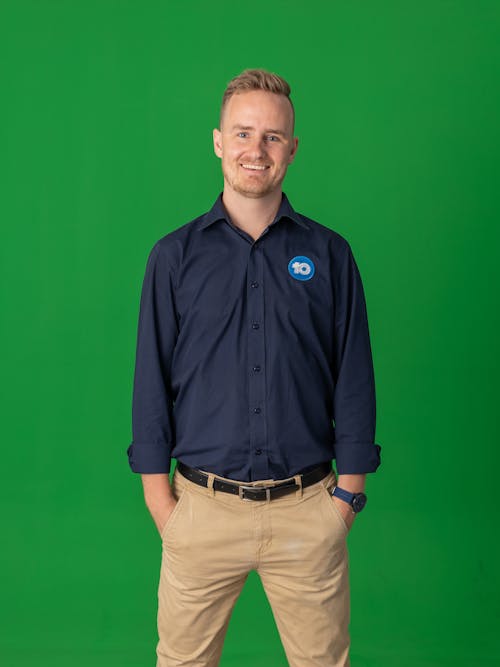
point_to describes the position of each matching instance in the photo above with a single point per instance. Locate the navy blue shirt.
(253, 357)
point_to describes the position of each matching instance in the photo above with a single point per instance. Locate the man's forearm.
(352, 483)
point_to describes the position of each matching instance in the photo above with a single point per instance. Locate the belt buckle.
(242, 487)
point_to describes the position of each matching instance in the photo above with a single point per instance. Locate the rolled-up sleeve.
(152, 423)
(354, 402)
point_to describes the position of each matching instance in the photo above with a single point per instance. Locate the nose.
(256, 147)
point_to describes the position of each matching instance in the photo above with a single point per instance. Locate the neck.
(249, 212)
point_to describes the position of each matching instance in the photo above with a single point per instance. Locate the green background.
(106, 119)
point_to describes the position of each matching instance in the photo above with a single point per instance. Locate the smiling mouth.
(254, 167)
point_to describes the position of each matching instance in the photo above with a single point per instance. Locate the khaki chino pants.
(297, 544)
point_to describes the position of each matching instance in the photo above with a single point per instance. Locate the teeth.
(254, 166)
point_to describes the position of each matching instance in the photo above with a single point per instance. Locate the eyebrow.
(249, 127)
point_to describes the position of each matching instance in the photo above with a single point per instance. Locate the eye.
(242, 134)
(273, 137)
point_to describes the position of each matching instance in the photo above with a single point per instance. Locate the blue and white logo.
(301, 268)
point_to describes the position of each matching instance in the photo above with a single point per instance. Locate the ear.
(294, 150)
(217, 142)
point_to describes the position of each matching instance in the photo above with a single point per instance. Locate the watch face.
(358, 502)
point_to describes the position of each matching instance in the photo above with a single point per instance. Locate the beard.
(248, 185)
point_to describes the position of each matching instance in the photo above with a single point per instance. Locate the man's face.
(255, 142)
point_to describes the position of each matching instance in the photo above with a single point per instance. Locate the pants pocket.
(165, 531)
(333, 507)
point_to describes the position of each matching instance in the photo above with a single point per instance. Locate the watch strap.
(347, 496)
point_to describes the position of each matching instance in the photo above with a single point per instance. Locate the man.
(252, 340)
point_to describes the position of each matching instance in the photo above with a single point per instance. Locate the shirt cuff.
(356, 458)
(149, 457)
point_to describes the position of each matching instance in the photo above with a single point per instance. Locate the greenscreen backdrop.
(106, 118)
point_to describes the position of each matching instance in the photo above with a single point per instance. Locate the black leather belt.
(255, 492)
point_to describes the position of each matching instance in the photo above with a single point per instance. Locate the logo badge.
(301, 268)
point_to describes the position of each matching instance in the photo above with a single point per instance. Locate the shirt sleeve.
(152, 421)
(354, 405)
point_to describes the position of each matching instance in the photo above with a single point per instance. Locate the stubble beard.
(247, 188)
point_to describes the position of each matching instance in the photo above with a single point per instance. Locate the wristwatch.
(356, 500)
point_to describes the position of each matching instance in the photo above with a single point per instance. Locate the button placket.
(256, 357)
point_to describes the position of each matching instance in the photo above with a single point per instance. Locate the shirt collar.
(219, 212)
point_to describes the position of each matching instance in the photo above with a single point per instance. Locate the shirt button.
(258, 451)
(255, 325)
(254, 283)
(256, 368)
(256, 410)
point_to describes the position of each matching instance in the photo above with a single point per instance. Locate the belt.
(255, 492)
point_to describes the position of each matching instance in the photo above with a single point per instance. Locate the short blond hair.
(256, 79)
